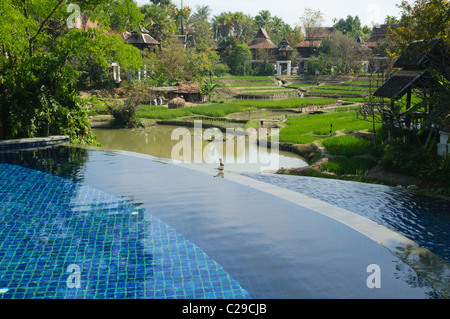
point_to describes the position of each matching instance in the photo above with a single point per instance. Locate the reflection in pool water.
(239, 155)
(424, 219)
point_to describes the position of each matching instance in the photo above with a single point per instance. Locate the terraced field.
(253, 85)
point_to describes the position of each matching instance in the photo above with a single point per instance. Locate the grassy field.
(344, 165)
(325, 90)
(161, 112)
(252, 84)
(271, 91)
(347, 146)
(223, 109)
(306, 129)
(285, 104)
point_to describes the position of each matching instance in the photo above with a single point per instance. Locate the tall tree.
(159, 21)
(342, 52)
(201, 30)
(423, 19)
(240, 60)
(264, 19)
(312, 23)
(38, 92)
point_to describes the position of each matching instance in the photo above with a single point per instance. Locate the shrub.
(414, 160)
(221, 69)
(125, 113)
(39, 98)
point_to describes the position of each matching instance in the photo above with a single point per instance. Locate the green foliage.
(347, 146)
(344, 165)
(39, 98)
(159, 21)
(342, 53)
(240, 60)
(414, 160)
(352, 26)
(175, 63)
(124, 114)
(221, 69)
(45, 58)
(265, 69)
(219, 110)
(422, 19)
(209, 87)
(161, 112)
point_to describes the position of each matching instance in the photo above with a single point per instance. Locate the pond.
(239, 153)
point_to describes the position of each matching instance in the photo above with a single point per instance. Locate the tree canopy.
(41, 52)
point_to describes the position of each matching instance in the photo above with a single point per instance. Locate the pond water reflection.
(239, 153)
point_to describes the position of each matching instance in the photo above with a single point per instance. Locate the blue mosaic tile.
(48, 223)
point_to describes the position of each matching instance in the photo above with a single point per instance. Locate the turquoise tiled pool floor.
(139, 227)
(48, 223)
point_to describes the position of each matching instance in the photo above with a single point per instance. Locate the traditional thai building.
(414, 75)
(265, 51)
(284, 56)
(379, 61)
(379, 33)
(307, 48)
(143, 40)
(262, 41)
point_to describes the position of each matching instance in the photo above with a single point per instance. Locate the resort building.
(265, 51)
(143, 40)
(307, 48)
(418, 64)
(379, 34)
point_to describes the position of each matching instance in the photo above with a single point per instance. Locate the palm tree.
(223, 24)
(158, 21)
(264, 19)
(203, 12)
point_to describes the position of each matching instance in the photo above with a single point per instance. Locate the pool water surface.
(140, 227)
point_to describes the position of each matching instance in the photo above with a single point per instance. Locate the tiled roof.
(284, 45)
(143, 38)
(316, 37)
(262, 41)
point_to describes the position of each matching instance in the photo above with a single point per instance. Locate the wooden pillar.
(408, 99)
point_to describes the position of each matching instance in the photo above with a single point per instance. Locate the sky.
(369, 11)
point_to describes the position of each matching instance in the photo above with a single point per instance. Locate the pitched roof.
(316, 37)
(262, 41)
(143, 38)
(309, 43)
(379, 32)
(284, 45)
(414, 61)
(187, 87)
(416, 53)
(397, 85)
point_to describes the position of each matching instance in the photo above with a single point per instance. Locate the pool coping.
(427, 264)
(33, 142)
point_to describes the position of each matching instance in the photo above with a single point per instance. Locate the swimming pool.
(139, 227)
